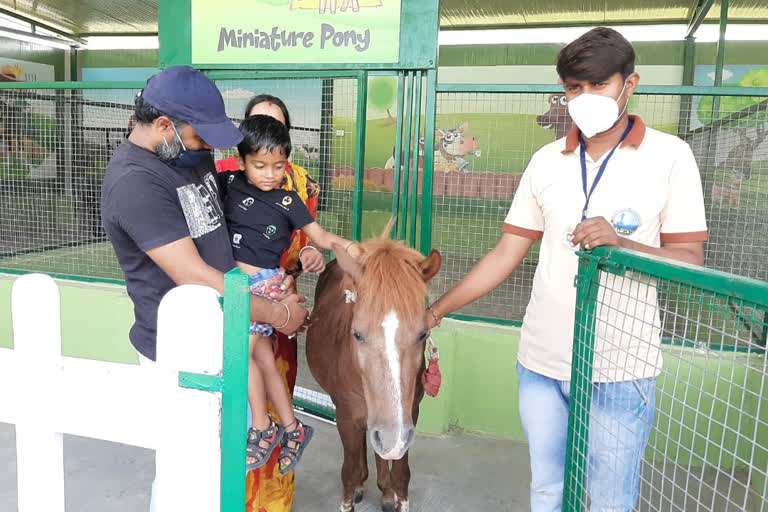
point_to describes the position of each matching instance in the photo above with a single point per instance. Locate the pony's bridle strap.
(434, 352)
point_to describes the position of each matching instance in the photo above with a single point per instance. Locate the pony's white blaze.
(390, 324)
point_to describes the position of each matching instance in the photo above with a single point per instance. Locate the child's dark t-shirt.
(261, 223)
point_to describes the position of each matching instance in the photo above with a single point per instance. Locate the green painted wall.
(22, 50)
(83, 321)
(658, 53)
(117, 59)
(479, 388)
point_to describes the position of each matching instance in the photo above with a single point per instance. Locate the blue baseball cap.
(186, 94)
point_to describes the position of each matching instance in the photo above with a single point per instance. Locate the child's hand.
(312, 260)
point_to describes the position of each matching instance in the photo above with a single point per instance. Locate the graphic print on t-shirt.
(201, 207)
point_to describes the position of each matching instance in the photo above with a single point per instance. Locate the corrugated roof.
(473, 13)
(83, 17)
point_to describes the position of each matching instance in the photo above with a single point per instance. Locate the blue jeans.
(621, 418)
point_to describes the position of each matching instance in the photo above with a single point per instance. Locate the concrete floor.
(453, 473)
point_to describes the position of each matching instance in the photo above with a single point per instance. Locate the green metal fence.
(708, 446)
(511, 122)
(56, 139)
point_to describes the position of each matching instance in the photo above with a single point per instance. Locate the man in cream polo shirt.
(611, 181)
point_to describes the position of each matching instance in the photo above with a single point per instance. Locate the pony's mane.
(391, 278)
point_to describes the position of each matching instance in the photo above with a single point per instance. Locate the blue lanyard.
(583, 152)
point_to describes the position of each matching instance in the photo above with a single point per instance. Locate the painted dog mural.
(557, 117)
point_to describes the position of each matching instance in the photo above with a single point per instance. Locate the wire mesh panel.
(323, 119)
(485, 141)
(695, 340)
(483, 144)
(732, 153)
(54, 148)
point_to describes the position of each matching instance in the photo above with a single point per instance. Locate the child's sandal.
(300, 437)
(272, 434)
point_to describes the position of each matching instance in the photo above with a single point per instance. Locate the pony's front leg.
(322, 6)
(401, 478)
(355, 465)
(384, 482)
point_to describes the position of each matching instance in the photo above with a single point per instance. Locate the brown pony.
(365, 347)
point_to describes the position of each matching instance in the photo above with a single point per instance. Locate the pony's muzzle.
(392, 443)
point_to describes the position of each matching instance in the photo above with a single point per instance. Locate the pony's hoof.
(389, 506)
(359, 495)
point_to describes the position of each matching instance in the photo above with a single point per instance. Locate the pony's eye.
(357, 335)
(423, 336)
(563, 101)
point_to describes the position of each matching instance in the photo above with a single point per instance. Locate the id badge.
(568, 240)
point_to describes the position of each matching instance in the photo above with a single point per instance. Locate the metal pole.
(401, 85)
(689, 63)
(720, 62)
(410, 80)
(425, 244)
(415, 177)
(577, 448)
(234, 396)
(326, 142)
(361, 119)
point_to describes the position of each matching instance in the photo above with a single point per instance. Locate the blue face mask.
(191, 158)
(188, 158)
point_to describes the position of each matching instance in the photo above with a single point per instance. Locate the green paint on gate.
(709, 403)
(234, 397)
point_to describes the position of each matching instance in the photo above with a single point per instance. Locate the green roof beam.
(699, 14)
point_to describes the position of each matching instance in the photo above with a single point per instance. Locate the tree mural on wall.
(382, 94)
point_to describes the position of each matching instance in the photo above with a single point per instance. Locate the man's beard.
(168, 151)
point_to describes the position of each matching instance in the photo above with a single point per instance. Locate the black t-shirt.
(146, 204)
(261, 223)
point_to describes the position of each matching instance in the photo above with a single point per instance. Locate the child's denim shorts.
(263, 283)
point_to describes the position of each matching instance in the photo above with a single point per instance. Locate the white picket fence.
(45, 395)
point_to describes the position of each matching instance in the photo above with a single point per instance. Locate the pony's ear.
(347, 263)
(430, 265)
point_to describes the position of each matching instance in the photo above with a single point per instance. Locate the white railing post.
(36, 314)
(46, 394)
(188, 457)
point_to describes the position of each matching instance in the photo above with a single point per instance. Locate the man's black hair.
(146, 113)
(595, 56)
(268, 98)
(264, 132)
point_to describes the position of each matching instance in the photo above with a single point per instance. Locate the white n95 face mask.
(594, 113)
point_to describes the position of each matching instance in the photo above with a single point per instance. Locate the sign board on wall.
(12, 70)
(295, 31)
